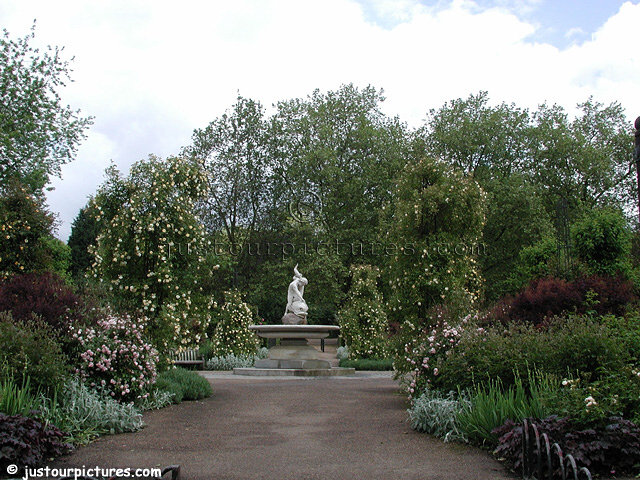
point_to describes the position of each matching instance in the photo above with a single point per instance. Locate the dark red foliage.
(614, 447)
(547, 297)
(43, 294)
(28, 442)
(614, 293)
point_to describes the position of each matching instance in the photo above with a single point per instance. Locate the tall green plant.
(363, 320)
(491, 405)
(232, 334)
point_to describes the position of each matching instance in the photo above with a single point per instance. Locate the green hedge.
(368, 363)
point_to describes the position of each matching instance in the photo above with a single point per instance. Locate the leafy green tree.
(38, 133)
(477, 138)
(516, 219)
(602, 241)
(84, 231)
(338, 154)
(362, 319)
(585, 161)
(530, 164)
(24, 223)
(232, 151)
(59, 255)
(536, 261)
(153, 254)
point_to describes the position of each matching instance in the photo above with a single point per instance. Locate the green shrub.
(589, 347)
(437, 414)
(362, 319)
(183, 384)
(30, 349)
(368, 363)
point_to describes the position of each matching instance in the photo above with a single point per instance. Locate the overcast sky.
(150, 71)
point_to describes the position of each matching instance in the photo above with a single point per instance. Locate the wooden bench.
(188, 358)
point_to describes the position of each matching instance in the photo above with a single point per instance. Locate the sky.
(152, 71)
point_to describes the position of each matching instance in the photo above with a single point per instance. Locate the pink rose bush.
(115, 357)
(418, 367)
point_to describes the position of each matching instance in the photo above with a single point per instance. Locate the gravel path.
(291, 428)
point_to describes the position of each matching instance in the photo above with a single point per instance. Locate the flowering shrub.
(363, 321)
(418, 364)
(24, 222)
(232, 334)
(115, 356)
(152, 250)
(433, 230)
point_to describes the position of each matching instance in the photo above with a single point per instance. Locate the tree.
(538, 169)
(585, 161)
(341, 153)
(476, 138)
(84, 231)
(232, 151)
(24, 223)
(37, 133)
(602, 240)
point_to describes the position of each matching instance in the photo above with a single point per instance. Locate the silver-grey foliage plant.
(231, 361)
(436, 414)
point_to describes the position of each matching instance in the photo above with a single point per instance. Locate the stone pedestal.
(293, 356)
(293, 353)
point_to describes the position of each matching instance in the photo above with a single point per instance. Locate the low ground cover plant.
(28, 441)
(609, 447)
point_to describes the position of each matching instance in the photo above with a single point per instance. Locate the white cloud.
(574, 32)
(151, 72)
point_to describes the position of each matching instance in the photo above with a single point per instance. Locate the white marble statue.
(296, 306)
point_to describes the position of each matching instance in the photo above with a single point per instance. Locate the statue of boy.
(296, 311)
